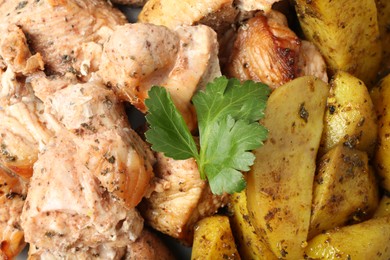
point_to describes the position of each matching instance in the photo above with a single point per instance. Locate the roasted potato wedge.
(350, 118)
(383, 208)
(280, 183)
(345, 190)
(213, 239)
(249, 244)
(381, 97)
(346, 33)
(366, 240)
(383, 7)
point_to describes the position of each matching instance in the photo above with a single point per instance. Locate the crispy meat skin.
(266, 50)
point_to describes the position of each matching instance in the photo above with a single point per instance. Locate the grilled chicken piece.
(112, 151)
(102, 252)
(23, 129)
(147, 246)
(311, 62)
(13, 191)
(88, 178)
(16, 63)
(67, 208)
(180, 199)
(138, 56)
(58, 29)
(16, 53)
(266, 50)
(45, 87)
(219, 15)
(255, 5)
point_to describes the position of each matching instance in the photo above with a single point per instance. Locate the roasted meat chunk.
(266, 50)
(68, 208)
(112, 151)
(219, 15)
(13, 191)
(180, 198)
(138, 56)
(59, 29)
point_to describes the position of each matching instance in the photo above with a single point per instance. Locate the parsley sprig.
(228, 118)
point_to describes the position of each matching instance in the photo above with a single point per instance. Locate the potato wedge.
(350, 118)
(345, 190)
(366, 240)
(381, 97)
(280, 182)
(383, 7)
(346, 33)
(383, 208)
(249, 244)
(213, 239)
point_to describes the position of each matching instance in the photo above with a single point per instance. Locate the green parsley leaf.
(224, 158)
(224, 97)
(228, 113)
(168, 132)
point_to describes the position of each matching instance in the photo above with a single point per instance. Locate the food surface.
(239, 129)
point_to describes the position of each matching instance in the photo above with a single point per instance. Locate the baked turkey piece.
(58, 29)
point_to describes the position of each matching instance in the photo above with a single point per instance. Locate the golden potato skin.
(280, 183)
(346, 33)
(383, 7)
(213, 239)
(384, 207)
(350, 118)
(345, 190)
(366, 240)
(381, 97)
(249, 244)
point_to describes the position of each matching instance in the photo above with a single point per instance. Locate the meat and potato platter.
(183, 129)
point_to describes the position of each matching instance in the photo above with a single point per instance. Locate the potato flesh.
(350, 118)
(346, 33)
(280, 182)
(366, 240)
(345, 190)
(213, 239)
(249, 243)
(382, 156)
